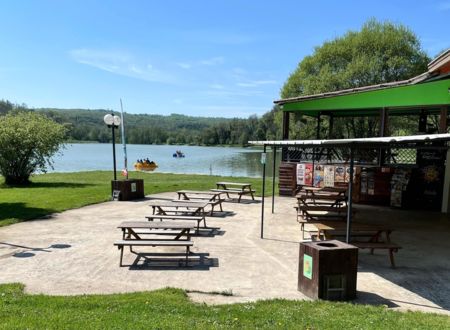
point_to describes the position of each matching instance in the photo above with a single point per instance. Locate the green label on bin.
(307, 266)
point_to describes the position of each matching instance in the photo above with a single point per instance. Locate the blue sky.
(224, 58)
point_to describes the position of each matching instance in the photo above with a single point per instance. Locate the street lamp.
(113, 121)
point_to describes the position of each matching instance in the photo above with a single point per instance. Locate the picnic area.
(72, 253)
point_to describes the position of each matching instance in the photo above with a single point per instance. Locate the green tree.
(380, 52)
(27, 142)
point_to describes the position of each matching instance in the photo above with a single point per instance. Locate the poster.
(328, 177)
(308, 174)
(307, 266)
(339, 174)
(318, 176)
(301, 174)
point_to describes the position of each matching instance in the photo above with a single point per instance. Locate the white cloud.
(120, 63)
(212, 61)
(184, 65)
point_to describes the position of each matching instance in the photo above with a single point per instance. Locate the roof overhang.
(412, 141)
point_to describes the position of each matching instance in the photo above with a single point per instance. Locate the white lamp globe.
(108, 119)
(116, 120)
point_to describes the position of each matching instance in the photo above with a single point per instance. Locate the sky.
(213, 58)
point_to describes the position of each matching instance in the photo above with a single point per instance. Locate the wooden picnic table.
(179, 207)
(234, 188)
(334, 229)
(213, 198)
(130, 229)
(371, 233)
(132, 235)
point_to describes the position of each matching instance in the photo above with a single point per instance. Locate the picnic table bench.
(132, 237)
(235, 188)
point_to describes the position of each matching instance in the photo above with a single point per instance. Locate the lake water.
(226, 161)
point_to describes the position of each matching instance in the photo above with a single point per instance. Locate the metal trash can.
(128, 189)
(327, 270)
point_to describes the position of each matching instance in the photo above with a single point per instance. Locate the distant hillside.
(88, 125)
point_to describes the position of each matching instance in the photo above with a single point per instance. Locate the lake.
(227, 161)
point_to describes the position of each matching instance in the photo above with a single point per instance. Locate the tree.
(27, 142)
(380, 52)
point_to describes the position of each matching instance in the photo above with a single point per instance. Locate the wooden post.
(443, 120)
(384, 122)
(423, 122)
(285, 129)
(318, 127)
(330, 126)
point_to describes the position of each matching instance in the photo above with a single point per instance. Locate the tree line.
(87, 126)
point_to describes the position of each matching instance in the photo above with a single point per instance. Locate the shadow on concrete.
(28, 251)
(243, 201)
(221, 214)
(209, 232)
(173, 261)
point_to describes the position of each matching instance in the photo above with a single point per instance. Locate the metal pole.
(273, 177)
(113, 127)
(262, 200)
(122, 123)
(349, 197)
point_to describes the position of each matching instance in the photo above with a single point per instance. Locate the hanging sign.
(307, 266)
(301, 174)
(263, 158)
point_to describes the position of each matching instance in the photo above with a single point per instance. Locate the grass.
(171, 309)
(57, 192)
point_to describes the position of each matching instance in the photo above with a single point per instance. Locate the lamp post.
(113, 121)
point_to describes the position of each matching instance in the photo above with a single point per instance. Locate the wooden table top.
(233, 184)
(342, 225)
(198, 192)
(178, 204)
(158, 225)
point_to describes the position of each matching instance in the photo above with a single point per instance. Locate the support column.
(384, 122)
(285, 129)
(423, 122)
(274, 149)
(445, 208)
(443, 120)
(330, 126)
(262, 196)
(350, 197)
(318, 127)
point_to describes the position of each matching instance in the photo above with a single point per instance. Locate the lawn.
(171, 309)
(57, 192)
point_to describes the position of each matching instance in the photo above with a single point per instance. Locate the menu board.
(328, 177)
(339, 174)
(301, 174)
(318, 176)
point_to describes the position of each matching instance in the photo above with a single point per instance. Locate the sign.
(318, 176)
(307, 266)
(133, 187)
(263, 158)
(328, 177)
(301, 174)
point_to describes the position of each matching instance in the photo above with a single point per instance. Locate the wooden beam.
(384, 122)
(285, 129)
(423, 122)
(443, 120)
(330, 126)
(318, 127)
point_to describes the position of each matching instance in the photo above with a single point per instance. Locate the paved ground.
(72, 253)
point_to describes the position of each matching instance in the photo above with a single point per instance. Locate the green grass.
(171, 309)
(57, 192)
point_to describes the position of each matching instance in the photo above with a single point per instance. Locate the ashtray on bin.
(328, 270)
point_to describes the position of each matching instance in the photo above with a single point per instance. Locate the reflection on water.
(225, 161)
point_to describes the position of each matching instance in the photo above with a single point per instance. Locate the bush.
(27, 143)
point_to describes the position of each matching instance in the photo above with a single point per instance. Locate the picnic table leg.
(391, 257)
(121, 255)
(239, 199)
(187, 255)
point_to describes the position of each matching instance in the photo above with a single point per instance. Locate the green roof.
(404, 99)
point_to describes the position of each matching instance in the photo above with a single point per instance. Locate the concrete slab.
(72, 253)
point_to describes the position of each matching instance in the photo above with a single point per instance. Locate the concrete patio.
(73, 253)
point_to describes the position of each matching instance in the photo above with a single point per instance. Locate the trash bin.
(327, 270)
(126, 190)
